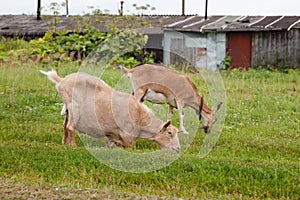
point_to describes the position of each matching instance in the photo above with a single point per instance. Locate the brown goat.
(159, 84)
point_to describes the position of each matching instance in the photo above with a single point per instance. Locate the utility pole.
(183, 7)
(38, 17)
(67, 8)
(121, 9)
(205, 17)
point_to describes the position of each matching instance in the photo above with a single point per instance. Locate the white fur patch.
(155, 97)
(63, 110)
(129, 75)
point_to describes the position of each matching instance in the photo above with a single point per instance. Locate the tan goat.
(94, 108)
(159, 84)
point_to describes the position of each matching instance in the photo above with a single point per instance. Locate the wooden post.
(121, 9)
(39, 10)
(183, 7)
(205, 17)
(67, 8)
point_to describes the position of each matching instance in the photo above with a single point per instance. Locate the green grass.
(256, 157)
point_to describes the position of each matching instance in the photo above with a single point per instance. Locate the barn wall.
(279, 49)
(204, 50)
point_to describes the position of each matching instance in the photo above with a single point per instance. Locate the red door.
(239, 48)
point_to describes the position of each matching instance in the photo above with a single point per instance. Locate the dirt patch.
(18, 191)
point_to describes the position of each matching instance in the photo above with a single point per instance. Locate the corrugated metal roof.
(220, 23)
(286, 22)
(28, 25)
(236, 23)
(197, 26)
(265, 21)
(185, 22)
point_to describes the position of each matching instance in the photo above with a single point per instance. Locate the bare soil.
(12, 191)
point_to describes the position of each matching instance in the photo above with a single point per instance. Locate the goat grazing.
(94, 108)
(159, 84)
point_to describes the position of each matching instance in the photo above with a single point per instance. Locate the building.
(250, 41)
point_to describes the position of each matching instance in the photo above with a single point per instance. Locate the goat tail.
(52, 76)
(122, 68)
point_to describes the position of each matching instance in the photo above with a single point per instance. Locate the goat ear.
(165, 125)
(218, 106)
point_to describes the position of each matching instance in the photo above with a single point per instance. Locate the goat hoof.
(110, 144)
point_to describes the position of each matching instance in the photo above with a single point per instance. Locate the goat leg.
(170, 112)
(181, 117)
(69, 131)
(65, 137)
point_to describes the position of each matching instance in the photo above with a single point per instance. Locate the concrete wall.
(204, 50)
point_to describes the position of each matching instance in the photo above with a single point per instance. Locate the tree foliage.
(77, 44)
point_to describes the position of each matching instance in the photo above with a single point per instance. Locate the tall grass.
(256, 157)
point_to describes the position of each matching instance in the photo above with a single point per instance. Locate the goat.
(159, 84)
(94, 108)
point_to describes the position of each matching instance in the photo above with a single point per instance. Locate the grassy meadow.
(256, 157)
